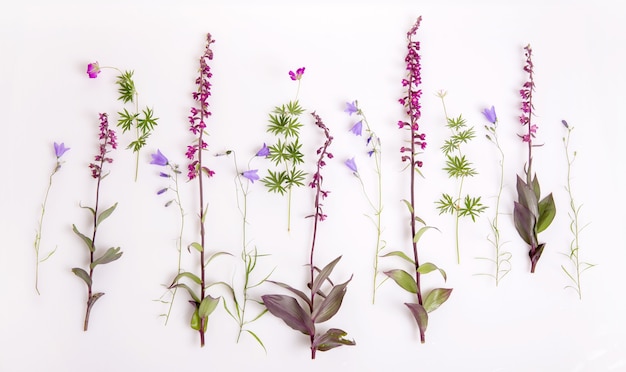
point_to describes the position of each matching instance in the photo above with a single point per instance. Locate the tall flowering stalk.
(373, 145)
(286, 153)
(318, 306)
(531, 214)
(502, 258)
(203, 303)
(459, 168)
(59, 150)
(108, 142)
(577, 266)
(411, 281)
(242, 300)
(172, 173)
(143, 122)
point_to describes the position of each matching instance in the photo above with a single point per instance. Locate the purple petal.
(357, 128)
(264, 151)
(490, 114)
(60, 149)
(350, 163)
(351, 107)
(251, 175)
(159, 159)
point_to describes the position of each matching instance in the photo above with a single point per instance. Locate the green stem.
(37, 242)
(179, 240)
(457, 217)
(496, 231)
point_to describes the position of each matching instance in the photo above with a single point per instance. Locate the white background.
(351, 51)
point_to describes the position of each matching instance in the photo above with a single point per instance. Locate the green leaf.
(435, 298)
(83, 275)
(421, 232)
(420, 315)
(207, 306)
(126, 87)
(195, 245)
(331, 304)
(403, 279)
(547, 211)
(104, 215)
(331, 339)
(408, 205)
(459, 167)
(472, 207)
(274, 181)
(401, 255)
(188, 275)
(85, 239)
(428, 267)
(536, 187)
(446, 204)
(195, 320)
(147, 122)
(215, 255)
(126, 120)
(110, 255)
(323, 275)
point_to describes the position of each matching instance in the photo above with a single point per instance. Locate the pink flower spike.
(93, 69)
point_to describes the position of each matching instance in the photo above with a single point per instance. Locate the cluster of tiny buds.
(527, 93)
(107, 140)
(316, 182)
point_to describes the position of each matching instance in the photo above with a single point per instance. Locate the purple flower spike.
(60, 149)
(93, 69)
(350, 163)
(351, 108)
(357, 128)
(264, 151)
(159, 159)
(251, 175)
(490, 114)
(296, 75)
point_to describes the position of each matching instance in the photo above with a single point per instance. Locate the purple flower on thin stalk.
(490, 114)
(93, 69)
(357, 128)
(264, 151)
(162, 191)
(60, 149)
(296, 75)
(350, 163)
(251, 175)
(351, 108)
(159, 159)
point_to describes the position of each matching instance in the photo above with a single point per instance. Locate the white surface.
(351, 51)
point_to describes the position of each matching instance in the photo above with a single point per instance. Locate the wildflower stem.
(179, 240)
(457, 217)
(494, 225)
(37, 242)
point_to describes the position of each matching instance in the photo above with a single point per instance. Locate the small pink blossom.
(93, 69)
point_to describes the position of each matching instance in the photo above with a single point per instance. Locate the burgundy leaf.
(297, 292)
(331, 304)
(524, 223)
(323, 275)
(421, 317)
(290, 311)
(331, 339)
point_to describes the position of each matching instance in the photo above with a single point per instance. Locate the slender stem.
(289, 209)
(179, 240)
(457, 217)
(496, 231)
(202, 228)
(137, 131)
(574, 225)
(40, 225)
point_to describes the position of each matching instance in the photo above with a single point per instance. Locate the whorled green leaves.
(303, 312)
(532, 216)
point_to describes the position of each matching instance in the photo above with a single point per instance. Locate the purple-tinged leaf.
(104, 215)
(428, 267)
(323, 275)
(527, 197)
(421, 317)
(534, 256)
(404, 279)
(331, 339)
(295, 291)
(524, 223)
(207, 306)
(290, 311)
(547, 211)
(83, 275)
(193, 295)
(331, 304)
(85, 239)
(110, 255)
(435, 298)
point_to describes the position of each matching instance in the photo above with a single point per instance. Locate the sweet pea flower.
(264, 151)
(351, 107)
(350, 163)
(159, 159)
(357, 128)
(93, 69)
(296, 75)
(490, 114)
(60, 149)
(251, 175)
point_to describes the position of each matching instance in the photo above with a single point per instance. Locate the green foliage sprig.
(577, 266)
(286, 153)
(459, 168)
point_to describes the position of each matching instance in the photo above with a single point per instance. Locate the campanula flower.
(350, 163)
(251, 175)
(60, 149)
(264, 151)
(159, 159)
(351, 107)
(93, 69)
(357, 128)
(490, 114)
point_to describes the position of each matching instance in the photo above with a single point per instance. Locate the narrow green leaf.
(401, 255)
(207, 306)
(257, 338)
(189, 275)
(105, 214)
(195, 320)
(193, 295)
(85, 239)
(428, 267)
(403, 279)
(421, 232)
(110, 255)
(547, 211)
(435, 298)
(408, 205)
(195, 245)
(536, 188)
(83, 275)
(215, 255)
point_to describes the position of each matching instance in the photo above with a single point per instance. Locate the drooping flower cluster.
(198, 116)
(411, 101)
(316, 182)
(527, 98)
(108, 142)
